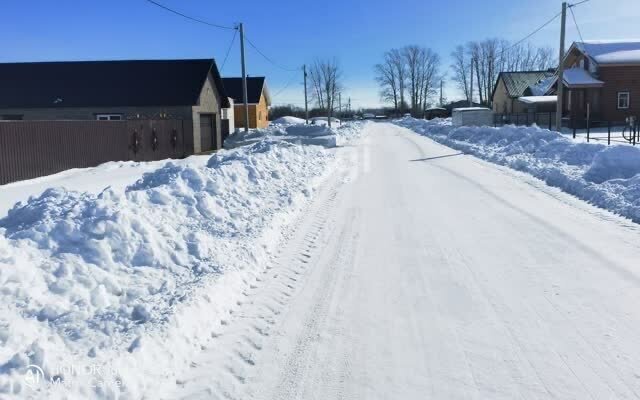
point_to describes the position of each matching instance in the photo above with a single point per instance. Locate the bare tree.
(397, 60)
(461, 66)
(492, 56)
(326, 80)
(388, 80)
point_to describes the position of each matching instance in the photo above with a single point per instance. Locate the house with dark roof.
(258, 98)
(189, 90)
(601, 80)
(510, 86)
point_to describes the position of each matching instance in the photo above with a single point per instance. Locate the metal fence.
(543, 119)
(30, 149)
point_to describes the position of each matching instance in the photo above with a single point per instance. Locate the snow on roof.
(539, 99)
(436, 109)
(543, 86)
(606, 52)
(578, 77)
(465, 109)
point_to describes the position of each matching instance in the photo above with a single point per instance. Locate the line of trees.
(486, 59)
(409, 77)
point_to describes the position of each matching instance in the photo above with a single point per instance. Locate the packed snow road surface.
(424, 273)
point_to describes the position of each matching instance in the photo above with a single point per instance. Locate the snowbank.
(288, 121)
(319, 135)
(135, 281)
(608, 177)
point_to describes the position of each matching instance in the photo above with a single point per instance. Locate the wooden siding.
(619, 79)
(255, 111)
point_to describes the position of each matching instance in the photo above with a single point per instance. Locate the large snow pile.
(135, 280)
(320, 135)
(608, 177)
(288, 121)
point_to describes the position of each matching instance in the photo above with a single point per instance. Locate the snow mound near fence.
(138, 279)
(605, 176)
(319, 135)
(288, 121)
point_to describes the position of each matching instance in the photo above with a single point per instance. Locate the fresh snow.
(612, 51)
(606, 176)
(580, 77)
(425, 273)
(288, 121)
(391, 268)
(116, 175)
(539, 99)
(136, 279)
(315, 134)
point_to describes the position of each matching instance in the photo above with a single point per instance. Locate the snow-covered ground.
(429, 274)
(116, 175)
(109, 284)
(315, 134)
(606, 176)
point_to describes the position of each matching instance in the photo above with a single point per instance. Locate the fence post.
(609, 133)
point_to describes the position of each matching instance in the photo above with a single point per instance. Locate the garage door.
(207, 132)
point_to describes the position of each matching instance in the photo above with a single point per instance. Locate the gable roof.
(133, 83)
(610, 52)
(255, 86)
(517, 82)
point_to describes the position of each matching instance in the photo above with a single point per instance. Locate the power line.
(285, 86)
(226, 57)
(576, 23)
(269, 59)
(532, 33)
(188, 17)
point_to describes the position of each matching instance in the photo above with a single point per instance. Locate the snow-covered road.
(423, 273)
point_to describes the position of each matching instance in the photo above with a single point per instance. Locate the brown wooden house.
(258, 98)
(602, 81)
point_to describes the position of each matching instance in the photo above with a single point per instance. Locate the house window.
(109, 117)
(623, 100)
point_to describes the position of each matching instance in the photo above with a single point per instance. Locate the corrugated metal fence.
(30, 149)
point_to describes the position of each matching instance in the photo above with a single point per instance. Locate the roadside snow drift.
(288, 121)
(320, 135)
(135, 280)
(605, 176)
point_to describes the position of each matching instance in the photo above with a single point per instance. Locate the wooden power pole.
(560, 106)
(245, 95)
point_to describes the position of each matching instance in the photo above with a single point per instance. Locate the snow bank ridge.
(90, 276)
(605, 176)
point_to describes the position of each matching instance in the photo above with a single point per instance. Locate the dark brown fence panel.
(29, 149)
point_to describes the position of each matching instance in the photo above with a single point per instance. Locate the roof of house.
(130, 83)
(578, 77)
(611, 52)
(255, 87)
(460, 104)
(517, 82)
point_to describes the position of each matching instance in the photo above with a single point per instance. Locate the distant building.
(258, 98)
(510, 86)
(189, 90)
(459, 104)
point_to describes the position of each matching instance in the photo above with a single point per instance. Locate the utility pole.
(441, 84)
(471, 90)
(306, 102)
(339, 105)
(560, 105)
(245, 96)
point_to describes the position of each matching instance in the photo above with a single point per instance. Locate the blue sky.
(290, 32)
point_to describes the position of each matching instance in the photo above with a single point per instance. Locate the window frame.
(619, 97)
(109, 117)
